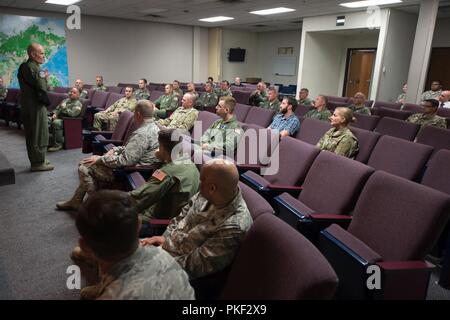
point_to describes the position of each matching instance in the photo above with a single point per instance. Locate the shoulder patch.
(159, 175)
(41, 74)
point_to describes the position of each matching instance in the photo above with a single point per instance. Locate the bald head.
(219, 180)
(36, 52)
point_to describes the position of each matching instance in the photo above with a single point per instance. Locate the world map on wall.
(17, 32)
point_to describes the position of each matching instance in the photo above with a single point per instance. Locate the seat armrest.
(275, 190)
(323, 220)
(163, 222)
(249, 167)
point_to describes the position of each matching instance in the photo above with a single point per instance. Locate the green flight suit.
(141, 94)
(178, 92)
(257, 97)
(67, 108)
(305, 102)
(272, 105)
(222, 136)
(360, 109)
(33, 112)
(223, 93)
(323, 115)
(167, 191)
(206, 100)
(99, 88)
(166, 103)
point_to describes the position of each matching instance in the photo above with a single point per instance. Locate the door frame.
(347, 65)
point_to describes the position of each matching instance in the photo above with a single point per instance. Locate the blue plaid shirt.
(280, 123)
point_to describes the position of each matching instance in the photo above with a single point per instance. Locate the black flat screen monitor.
(236, 55)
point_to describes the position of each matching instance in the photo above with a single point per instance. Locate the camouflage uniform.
(305, 102)
(139, 150)
(341, 142)
(83, 93)
(204, 239)
(430, 94)
(166, 103)
(150, 273)
(168, 190)
(141, 94)
(323, 115)
(67, 108)
(257, 97)
(360, 109)
(178, 92)
(99, 88)
(223, 93)
(181, 119)
(428, 120)
(3, 93)
(272, 105)
(401, 96)
(222, 136)
(206, 100)
(111, 119)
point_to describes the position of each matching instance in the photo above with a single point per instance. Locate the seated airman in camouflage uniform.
(436, 90)
(402, 96)
(79, 85)
(339, 139)
(108, 224)
(166, 103)
(224, 89)
(320, 110)
(3, 90)
(259, 95)
(429, 116)
(99, 84)
(303, 97)
(139, 150)
(207, 99)
(110, 116)
(206, 236)
(184, 117)
(223, 136)
(170, 187)
(70, 107)
(272, 101)
(176, 88)
(358, 105)
(142, 93)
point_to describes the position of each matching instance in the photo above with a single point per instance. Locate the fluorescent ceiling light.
(216, 19)
(368, 3)
(272, 11)
(62, 2)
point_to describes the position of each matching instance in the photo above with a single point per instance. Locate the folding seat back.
(384, 104)
(88, 86)
(256, 204)
(11, 96)
(122, 125)
(99, 98)
(113, 97)
(338, 100)
(204, 120)
(311, 130)
(364, 121)
(399, 219)
(399, 157)
(397, 128)
(256, 146)
(241, 111)
(366, 142)
(368, 103)
(437, 138)
(444, 112)
(414, 108)
(437, 175)
(276, 262)
(393, 113)
(151, 87)
(260, 116)
(61, 89)
(132, 127)
(114, 89)
(241, 96)
(332, 105)
(301, 110)
(295, 159)
(155, 95)
(55, 99)
(333, 183)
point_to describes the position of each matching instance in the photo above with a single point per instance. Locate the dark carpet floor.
(35, 239)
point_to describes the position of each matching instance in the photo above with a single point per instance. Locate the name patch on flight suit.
(159, 175)
(42, 74)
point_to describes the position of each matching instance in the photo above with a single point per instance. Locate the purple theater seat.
(114, 89)
(7, 174)
(444, 112)
(366, 142)
(61, 89)
(113, 97)
(241, 96)
(301, 110)
(331, 188)
(99, 99)
(395, 224)
(338, 100)
(73, 128)
(368, 103)
(437, 138)
(206, 119)
(256, 204)
(55, 99)
(400, 157)
(366, 122)
(311, 130)
(276, 262)
(152, 87)
(332, 105)
(414, 108)
(392, 113)
(397, 128)
(155, 95)
(384, 104)
(259, 116)
(241, 111)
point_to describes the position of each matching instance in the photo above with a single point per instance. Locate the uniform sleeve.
(442, 123)
(151, 192)
(215, 254)
(188, 122)
(157, 102)
(173, 104)
(112, 107)
(345, 147)
(31, 76)
(212, 102)
(166, 122)
(75, 111)
(174, 222)
(321, 141)
(411, 118)
(130, 155)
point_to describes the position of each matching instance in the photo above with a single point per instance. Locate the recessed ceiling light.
(216, 19)
(272, 11)
(368, 3)
(62, 2)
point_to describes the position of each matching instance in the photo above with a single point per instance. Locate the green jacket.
(223, 93)
(206, 100)
(166, 103)
(320, 115)
(341, 142)
(181, 119)
(99, 88)
(68, 108)
(360, 109)
(178, 92)
(168, 190)
(222, 135)
(305, 102)
(34, 76)
(274, 105)
(141, 94)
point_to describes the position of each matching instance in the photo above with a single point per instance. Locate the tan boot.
(74, 203)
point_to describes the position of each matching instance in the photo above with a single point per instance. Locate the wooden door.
(359, 71)
(439, 69)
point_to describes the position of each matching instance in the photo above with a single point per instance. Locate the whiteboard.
(285, 66)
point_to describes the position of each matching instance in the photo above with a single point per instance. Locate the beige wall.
(215, 53)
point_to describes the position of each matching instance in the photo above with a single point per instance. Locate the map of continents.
(17, 32)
